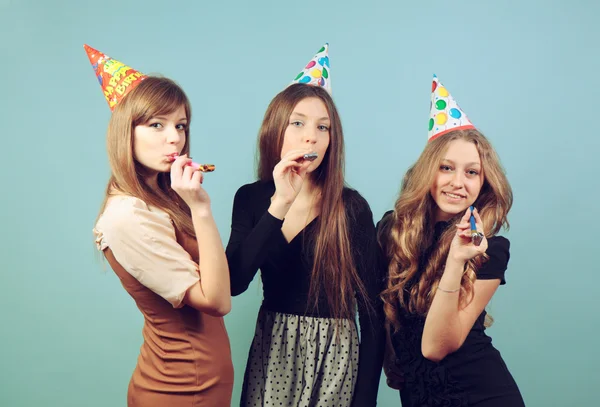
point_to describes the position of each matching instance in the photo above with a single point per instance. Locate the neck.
(440, 216)
(152, 181)
(309, 189)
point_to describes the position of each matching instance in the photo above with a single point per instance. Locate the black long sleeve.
(371, 318)
(249, 240)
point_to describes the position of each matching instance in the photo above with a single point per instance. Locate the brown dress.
(185, 359)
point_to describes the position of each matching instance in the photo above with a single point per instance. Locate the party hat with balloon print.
(116, 79)
(444, 113)
(317, 71)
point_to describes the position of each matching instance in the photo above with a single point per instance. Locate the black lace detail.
(426, 383)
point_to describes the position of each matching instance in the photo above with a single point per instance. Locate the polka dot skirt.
(301, 361)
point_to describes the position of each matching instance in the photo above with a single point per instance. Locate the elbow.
(218, 304)
(433, 355)
(222, 311)
(237, 289)
(435, 352)
(219, 308)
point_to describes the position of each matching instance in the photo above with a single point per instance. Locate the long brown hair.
(154, 96)
(408, 232)
(333, 267)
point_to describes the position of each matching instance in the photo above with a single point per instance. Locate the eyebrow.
(165, 118)
(468, 164)
(303, 115)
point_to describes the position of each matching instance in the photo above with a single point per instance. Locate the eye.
(155, 125)
(181, 126)
(296, 123)
(322, 127)
(473, 173)
(445, 168)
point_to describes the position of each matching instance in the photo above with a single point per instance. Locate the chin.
(311, 169)
(452, 210)
(314, 166)
(159, 168)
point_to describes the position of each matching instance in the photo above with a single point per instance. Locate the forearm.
(247, 250)
(279, 208)
(370, 364)
(442, 331)
(214, 272)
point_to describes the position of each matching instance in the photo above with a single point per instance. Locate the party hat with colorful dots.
(116, 79)
(444, 113)
(317, 71)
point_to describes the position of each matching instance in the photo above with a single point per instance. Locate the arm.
(248, 242)
(447, 326)
(372, 320)
(394, 378)
(212, 293)
(143, 242)
(390, 367)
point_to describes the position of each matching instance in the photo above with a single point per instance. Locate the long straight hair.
(154, 96)
(333, 269)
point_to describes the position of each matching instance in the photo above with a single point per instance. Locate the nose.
(173, 135)
(457, 180)
(310, 136)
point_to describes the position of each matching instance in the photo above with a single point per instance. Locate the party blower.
(196, 166)
(476, 236)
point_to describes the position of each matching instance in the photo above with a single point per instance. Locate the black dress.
(280, 349)
(475, 374)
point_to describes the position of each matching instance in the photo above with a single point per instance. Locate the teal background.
(525, 72)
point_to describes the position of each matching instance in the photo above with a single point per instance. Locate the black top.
(473, 374)
(257, 242)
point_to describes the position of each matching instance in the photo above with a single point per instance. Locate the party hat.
(317, 71)
(116, 79)
(444, 113)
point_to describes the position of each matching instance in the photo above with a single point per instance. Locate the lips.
(452, 195)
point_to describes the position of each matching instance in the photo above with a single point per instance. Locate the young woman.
(440, 282)
(158, 234)
(314, 241)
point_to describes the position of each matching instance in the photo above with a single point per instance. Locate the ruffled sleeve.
(143, 241)
(499, 253)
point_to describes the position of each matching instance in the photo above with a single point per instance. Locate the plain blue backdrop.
(525, 72)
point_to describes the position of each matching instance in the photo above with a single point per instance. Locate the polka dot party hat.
(116, 79)
(444, 113)
(317, 71)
